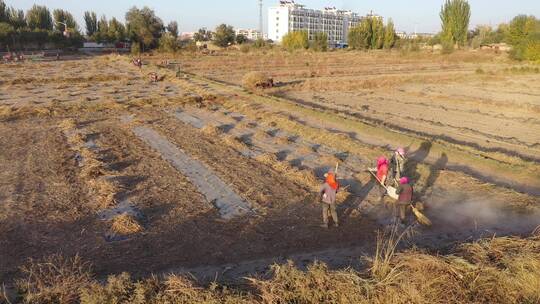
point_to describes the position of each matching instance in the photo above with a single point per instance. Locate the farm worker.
(382, 173)
(328, 196)
(397, 166)
(405, 191)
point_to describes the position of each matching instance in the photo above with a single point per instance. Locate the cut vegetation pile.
(125, 224)
(257, 80)
(499, 270)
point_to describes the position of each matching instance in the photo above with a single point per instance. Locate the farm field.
(195, 174)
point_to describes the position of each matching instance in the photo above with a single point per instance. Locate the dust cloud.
(462, 212)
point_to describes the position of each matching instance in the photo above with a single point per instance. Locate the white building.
(290, 16)
(250, 34)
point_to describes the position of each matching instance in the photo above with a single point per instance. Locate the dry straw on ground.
(125, 224)
(494, 271)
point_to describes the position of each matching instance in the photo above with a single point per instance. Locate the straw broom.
(422, 219)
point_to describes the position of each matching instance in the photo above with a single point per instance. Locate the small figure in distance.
(327, 195)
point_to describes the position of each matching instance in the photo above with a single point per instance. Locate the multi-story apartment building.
(290, 16)
(250, 34)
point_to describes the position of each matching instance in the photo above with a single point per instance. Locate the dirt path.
(217, 193)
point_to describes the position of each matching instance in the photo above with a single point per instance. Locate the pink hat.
(401, 151)
(403, 180)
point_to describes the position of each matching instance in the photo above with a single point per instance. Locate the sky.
(408, 15)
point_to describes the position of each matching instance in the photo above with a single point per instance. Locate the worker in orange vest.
(328, 194)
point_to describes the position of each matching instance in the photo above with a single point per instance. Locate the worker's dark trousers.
(329, 208)
(400, 210)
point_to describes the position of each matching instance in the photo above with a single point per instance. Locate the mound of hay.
(235, 142)
(105, 190)
(211, 130)
(125, 224)
(257, 80)
(68, 124)
(302, 177)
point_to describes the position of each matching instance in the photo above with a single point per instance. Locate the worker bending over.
(396, 167)
(328, 194)
(382, 174)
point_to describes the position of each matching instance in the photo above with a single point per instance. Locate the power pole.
(261, 18)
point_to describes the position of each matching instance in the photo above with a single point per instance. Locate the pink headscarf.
(403, 180)
(401, 151)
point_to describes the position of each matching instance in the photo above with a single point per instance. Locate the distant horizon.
(421, 16)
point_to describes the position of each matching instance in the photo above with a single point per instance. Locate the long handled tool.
(422, 219)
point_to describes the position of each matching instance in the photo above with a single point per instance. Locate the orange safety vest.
(331, 181)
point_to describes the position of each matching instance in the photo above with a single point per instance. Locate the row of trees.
(38, 25)
(522, 33)
(371, 33)
(300, 40)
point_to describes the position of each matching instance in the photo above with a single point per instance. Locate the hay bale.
(257, 80)
(125, 224)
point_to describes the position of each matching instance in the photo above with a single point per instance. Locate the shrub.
(447, 47)
(168, 43)
(260, 43)
(135, 48)
(245, 48)
(320, 43)
(254, 80)
(296, 41)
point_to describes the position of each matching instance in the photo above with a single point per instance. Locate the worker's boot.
(336, 224)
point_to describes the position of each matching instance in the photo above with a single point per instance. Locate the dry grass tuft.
(499, 270)
(55, 279)
(125, 224)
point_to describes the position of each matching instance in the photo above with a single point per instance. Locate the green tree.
(520, 28)
(296, 40)
(455, 16)
(6, 33)
(360, 36)
(39, 17)
(320, 42)
(90, 20)
(144, 27)
(172, 28)
(117, 31)
(224, 35)
(168, 43)
(377, 28)
(62, 16)
(389, 35)
(4, 15)
(202, 35)
(523, 33)
(102, 33)
(241, 39)
(16, 18)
